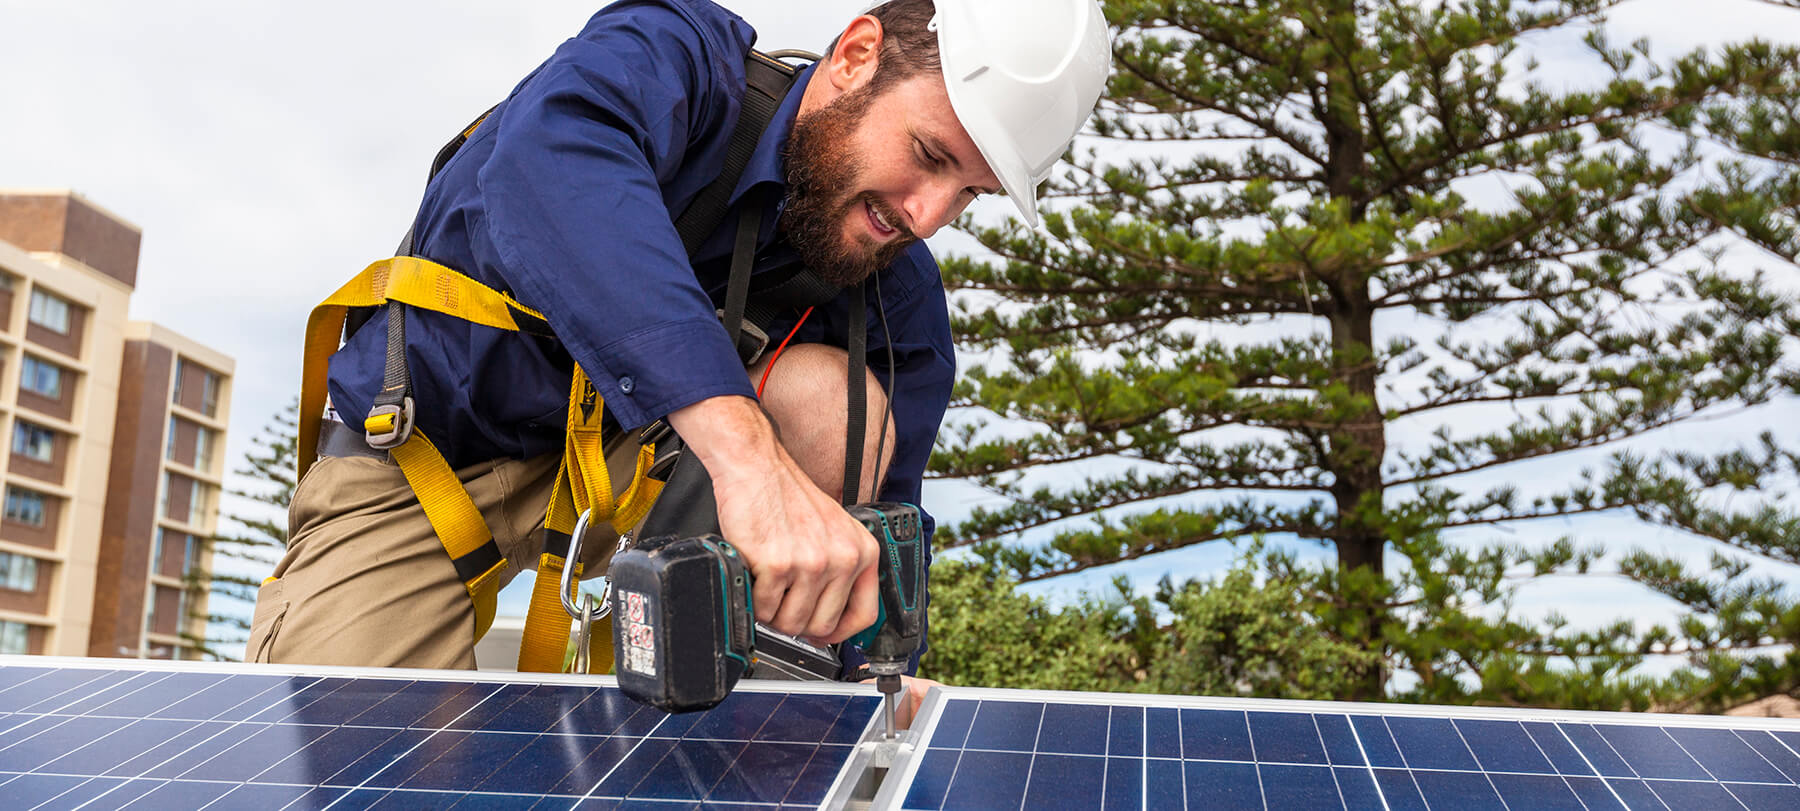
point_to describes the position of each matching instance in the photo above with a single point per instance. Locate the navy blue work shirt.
(565, 197)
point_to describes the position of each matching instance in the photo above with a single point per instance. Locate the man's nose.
(933, 206)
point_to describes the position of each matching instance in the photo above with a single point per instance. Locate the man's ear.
(858, 53)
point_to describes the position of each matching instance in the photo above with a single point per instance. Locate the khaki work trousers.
(365, 580)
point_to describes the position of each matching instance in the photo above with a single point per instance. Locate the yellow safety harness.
(583, 483)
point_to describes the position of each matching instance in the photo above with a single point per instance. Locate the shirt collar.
(768, 162)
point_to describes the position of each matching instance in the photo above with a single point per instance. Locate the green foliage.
(1436, 231)
(269, 466)
(1238, 635)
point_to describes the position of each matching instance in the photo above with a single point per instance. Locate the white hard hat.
(1023, 76)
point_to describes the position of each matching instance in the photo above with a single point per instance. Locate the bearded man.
(565, 198)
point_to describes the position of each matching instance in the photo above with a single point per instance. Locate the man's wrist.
(731, 435)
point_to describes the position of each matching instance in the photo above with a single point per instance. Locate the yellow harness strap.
(582, 482)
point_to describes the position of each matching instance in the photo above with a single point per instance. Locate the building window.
(41, 377)
(34, 441)
(209, 394)
(15, 637)
(174, 423)
(24, 506)
(198, 499)
(203, 449)
(49, 312)
(18, 572)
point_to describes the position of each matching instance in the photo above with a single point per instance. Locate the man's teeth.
(880, 220)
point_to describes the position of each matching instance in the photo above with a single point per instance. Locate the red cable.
(778, 351)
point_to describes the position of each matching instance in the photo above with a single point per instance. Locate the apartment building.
(117, 433)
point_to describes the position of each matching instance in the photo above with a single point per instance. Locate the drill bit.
(890, 689)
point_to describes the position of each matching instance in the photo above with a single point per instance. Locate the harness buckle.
(750, 342)
(389, 426)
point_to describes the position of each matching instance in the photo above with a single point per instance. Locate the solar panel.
(991, 749)
(181, 735)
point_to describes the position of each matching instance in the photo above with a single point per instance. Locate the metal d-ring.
(568, 574)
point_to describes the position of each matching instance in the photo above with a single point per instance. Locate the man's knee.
(806, 397)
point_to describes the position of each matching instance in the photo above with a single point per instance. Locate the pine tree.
(259, 538)
(1457, 271)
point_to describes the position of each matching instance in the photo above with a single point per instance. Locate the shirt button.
(626, 384)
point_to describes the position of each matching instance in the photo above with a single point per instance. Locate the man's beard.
(822, 170)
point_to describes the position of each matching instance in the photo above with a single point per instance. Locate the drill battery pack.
(686, 656)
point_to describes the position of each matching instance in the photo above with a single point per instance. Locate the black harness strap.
(857, 409)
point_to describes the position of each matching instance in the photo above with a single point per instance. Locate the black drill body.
(684, 629)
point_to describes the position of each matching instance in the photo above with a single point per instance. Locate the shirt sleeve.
(576, 212)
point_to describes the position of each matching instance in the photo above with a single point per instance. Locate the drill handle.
(900, 534)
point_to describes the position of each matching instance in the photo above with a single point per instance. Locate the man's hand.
(814, 565)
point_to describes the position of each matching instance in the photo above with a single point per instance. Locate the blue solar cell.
(1357, 786)
(1772, 751)
(28, 695)
(932, 781)
(112, 751)
(1339, 739)
(738, 714)
(1222, 786)
(1285, 737)
(1594, 794)
(1459, 790)
(1634, 794)
(799, 719)
(321, 759)
(223, 738)
(853, 720)
(13, 676)
(1598, 752)
(1162, 732)
(423, 704)
(763, 773)
(1651, 752)
(98, 693)
(1300, 787)
(1072, 782)
(1124, 784)
(586, 775)
(180, 794)
(1557, 748)
(1537, 791)
(821, 771)
(1725, 756)
(1758, 797)
(1691, 794)
(1125, 735)
(1005, 725)
(144, 698)
(1399, 790)
(988, 780)
(263, 748)
(155, 755)
(449, 761)
(286, 797)
(641, 758)
(29, 790)
(1503, 746)
(1074, 729)
(26, 754)
(953, 723)
(1431, 743)
(231, 699)
(1164, 784)
(378, 758)
(1377, 743)
(301, 692)
(1215, 735)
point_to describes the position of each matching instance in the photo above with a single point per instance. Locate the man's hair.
(908, 46)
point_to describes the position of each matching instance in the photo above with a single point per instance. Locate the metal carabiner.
(568, 572)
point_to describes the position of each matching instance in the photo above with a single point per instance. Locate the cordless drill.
(684, 628)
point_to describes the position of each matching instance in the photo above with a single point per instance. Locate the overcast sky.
(271, 150)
